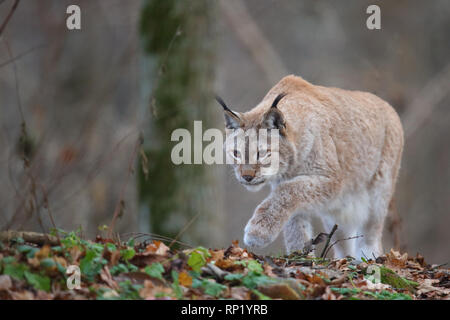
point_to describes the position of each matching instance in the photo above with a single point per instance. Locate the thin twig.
(345, 239)
(136, 235)
(8, 17)
(47, 206)
(184, 229)
(254, 40)
(328, 240)
(21, 55)
(122, 192)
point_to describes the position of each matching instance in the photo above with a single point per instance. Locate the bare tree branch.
(8, 17)
(254, 40)
(426, 100)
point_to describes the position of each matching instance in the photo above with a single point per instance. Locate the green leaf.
(24, 248)
(117, 269)
(111, 246)
(176, 285)
(130, 243)
(127, 254)
(37, 281)
(91, 265)
(210, 287)
(31, 253)
(15, 270)
(254, 279)
(234, 276)
(251, 265)
(155, 270)
(196, 260)
(18, 240)
(7, 260)
(129, 290)
(260, 295)
(47, 263)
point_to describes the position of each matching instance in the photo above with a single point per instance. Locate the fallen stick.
(29, 236)
(328, 240)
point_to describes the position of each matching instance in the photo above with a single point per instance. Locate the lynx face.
(257, 148)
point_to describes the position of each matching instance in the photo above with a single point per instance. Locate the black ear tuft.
(277, 99)
(222, 103)
(232, 119)
(274, 119)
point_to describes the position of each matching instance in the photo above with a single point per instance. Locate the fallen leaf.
(185, 279)
(43, 253)
(240, 293)
(279, 291)
(396, 259)
(5, 282)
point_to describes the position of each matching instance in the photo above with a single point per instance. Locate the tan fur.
(339, 161)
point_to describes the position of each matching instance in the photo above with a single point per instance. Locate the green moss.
(391, 278)
(173, 35)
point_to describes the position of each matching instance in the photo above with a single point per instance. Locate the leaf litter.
(112, 269)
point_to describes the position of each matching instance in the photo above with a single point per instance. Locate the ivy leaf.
(253, 280)
(117, 269)
(47, 263)
(155, 270)
(176, 285)
(197, 258)
(89, 265)
(234, 276)
(127, 254)
(37, 281)
(15, 270)
(210, 287)
(196, 261)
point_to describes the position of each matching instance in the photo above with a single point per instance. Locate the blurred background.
(86, 115)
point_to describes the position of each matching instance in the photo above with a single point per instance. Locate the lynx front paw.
(256, 240)
(257, 234)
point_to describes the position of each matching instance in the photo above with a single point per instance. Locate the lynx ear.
(274, 118)
(232, 119)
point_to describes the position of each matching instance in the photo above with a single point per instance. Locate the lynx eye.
(263, 155)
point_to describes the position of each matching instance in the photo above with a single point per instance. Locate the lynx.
(339, 158)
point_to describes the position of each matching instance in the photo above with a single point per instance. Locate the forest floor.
(34, 266)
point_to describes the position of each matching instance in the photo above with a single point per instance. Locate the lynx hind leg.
(296, 232)
(382, 190)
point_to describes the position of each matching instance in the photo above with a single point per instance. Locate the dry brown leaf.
(227, 264)
(279, 291)
(269, 270)
(396, 259)
(240, 293)
(105, 275)
(149, 290)
(185, 279)
(75, 253)
(22, 295)
(157, 247)
(5, 282)
(328, 295)
(216, 254)
(43, 253)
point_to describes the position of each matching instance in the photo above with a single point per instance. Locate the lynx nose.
(247, 178)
